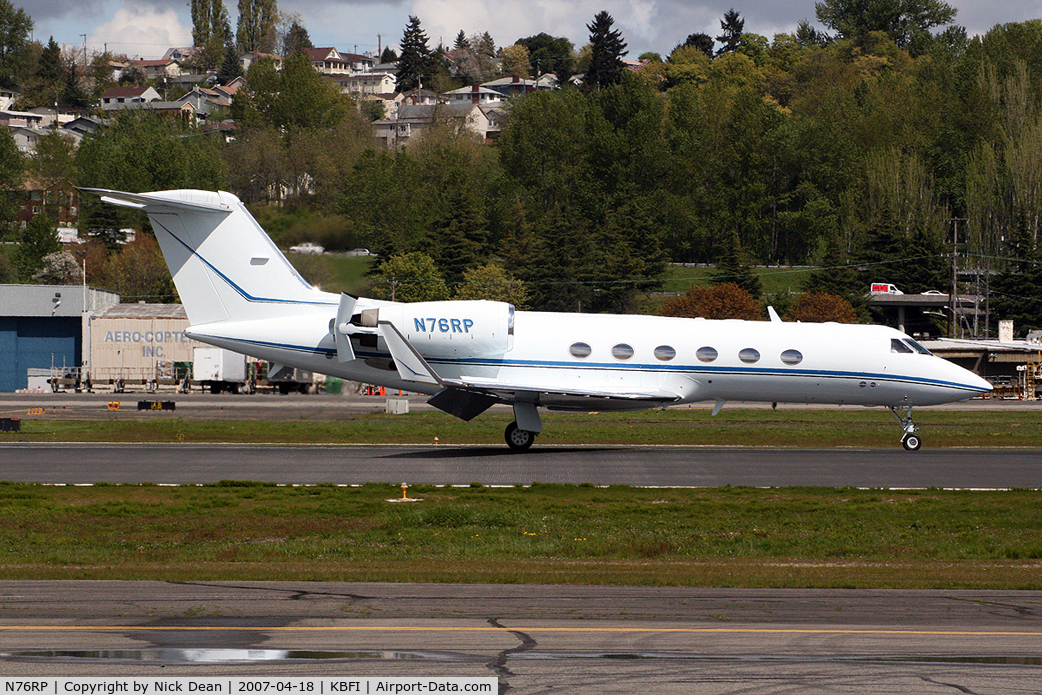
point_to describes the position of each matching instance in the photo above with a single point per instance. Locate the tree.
(231, 66)
(903, 20)
(701, 41)
(813, 307)
(732, 269)
(59, 268)
(296, 40)
(607, 50)
(732, 26)
(54, 168)
(389, 56)
(12, 165)
(416, 61)
(550, 54)
(493, 283)
(726, 301)
(410, 277)
(39, 238)
(515, 60)
(256, 29)
(15, 43)
(296, 96)
(139, 273)
(461, 43)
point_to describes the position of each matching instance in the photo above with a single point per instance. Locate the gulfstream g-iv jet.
(242, 294)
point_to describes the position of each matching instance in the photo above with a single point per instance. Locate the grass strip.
(545, 533)
(856, 427)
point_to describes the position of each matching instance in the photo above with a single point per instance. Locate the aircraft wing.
(468, 397)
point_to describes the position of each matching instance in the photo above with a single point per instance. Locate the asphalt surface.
(534, 639)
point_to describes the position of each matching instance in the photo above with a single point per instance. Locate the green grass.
(332, 272)
(786, 537)
(776, 279)
(784, 427)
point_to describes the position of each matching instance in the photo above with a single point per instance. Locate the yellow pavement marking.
(519, 628)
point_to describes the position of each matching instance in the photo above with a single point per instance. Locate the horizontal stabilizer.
(466, 405)
(164, 202)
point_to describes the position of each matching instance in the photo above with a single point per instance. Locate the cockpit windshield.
(907, 346)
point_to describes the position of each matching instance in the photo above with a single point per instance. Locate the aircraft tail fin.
(223, 264)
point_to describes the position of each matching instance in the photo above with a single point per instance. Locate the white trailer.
(219, 369)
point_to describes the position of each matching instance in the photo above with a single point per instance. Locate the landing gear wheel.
(911, 442)
(518, 439)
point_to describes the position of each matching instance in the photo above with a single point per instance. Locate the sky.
(146, 28)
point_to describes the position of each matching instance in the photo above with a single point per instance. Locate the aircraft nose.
(970, 380)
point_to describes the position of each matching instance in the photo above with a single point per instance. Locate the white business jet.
(242, 294)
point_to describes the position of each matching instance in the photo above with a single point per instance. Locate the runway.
(532, 638)
(672, 466)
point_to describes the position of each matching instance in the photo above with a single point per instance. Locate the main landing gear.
(517, 438)
(526, 425)
(910, 440)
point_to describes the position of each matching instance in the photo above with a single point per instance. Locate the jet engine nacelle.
(449, 329)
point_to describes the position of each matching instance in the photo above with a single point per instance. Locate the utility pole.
(84, 50)
(953, 295)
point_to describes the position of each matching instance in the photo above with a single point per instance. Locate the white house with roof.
(475, 94)
(121, 97)
(365, 83)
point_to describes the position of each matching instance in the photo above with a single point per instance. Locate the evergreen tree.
(457, 240)
(703, 42)
(389, 56)
(731, 268)
(461, 43)
(231, 66)
(50, 67)
(416, 62)
(733, 27)
(607, 50)
(1016, 292)
(296, 40)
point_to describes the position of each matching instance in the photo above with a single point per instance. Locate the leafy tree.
(416, 61)
(16, 28)
(59, 268)
(54, 168)
(813, 307)
(515, 60)
(138, 272)
(726, 301)
(12, 166)
(142, 151)
(493, 283)
(410, 277)
(902, 20)
(607, 50)
(294, 97)
(39, 238)
(733, 26)
(550, 54)
(256, 30)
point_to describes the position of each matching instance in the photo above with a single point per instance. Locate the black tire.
(518, 439)
(911, 442)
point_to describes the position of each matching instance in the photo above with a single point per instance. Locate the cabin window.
(622, 351)
(897, 346)
(791, 357)
(749, 355)
(665, 353)
(706, 354)
(580, 350)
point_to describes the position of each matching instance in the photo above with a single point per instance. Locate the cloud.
(147, 30)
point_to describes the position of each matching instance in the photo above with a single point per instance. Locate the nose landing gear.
(910, 440)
